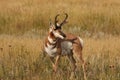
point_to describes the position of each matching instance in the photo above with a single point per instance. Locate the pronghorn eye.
(57, 28)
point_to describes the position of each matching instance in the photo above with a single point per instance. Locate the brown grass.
(21, 54)
(21, 58)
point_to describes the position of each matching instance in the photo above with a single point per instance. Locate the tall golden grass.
(91, 15)
(24, 24)
(22, 58)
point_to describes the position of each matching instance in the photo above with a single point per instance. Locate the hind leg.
(72, 60)
(83, 65)
(78, 53)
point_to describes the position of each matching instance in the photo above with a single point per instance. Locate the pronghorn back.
(72, 44)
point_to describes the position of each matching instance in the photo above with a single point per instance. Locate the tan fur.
(68, 44)
(76, 48)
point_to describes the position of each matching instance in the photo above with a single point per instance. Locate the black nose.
(64, 36)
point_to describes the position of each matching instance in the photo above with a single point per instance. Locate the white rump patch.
(81, 41)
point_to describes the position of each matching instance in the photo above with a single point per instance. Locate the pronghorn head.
(56, 27)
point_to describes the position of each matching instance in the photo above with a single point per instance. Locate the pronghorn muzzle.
(59, 34)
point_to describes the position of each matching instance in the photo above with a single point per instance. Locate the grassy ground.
(21, 58)
(24, 24)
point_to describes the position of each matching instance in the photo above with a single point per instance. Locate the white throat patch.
(81, 41)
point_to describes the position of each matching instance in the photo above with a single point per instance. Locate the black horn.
(64, 21)
(56, 20)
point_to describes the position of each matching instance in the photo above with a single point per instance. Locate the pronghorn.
(58, 44)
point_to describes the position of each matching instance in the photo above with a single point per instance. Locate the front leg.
(56, 62)
(72, 60)
(55, 65)
(52, 61)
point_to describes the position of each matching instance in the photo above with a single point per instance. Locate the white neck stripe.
(51, 40)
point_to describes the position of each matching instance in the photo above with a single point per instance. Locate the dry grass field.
(22, 58)
(24, 25)
(19, 16)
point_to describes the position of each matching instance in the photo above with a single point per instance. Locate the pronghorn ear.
(52, 26)
(50, 22)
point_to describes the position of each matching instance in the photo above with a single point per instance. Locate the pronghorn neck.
(51, 38)
(51, 45)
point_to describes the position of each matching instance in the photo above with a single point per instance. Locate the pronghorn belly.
(51, 52)
(66, 47)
